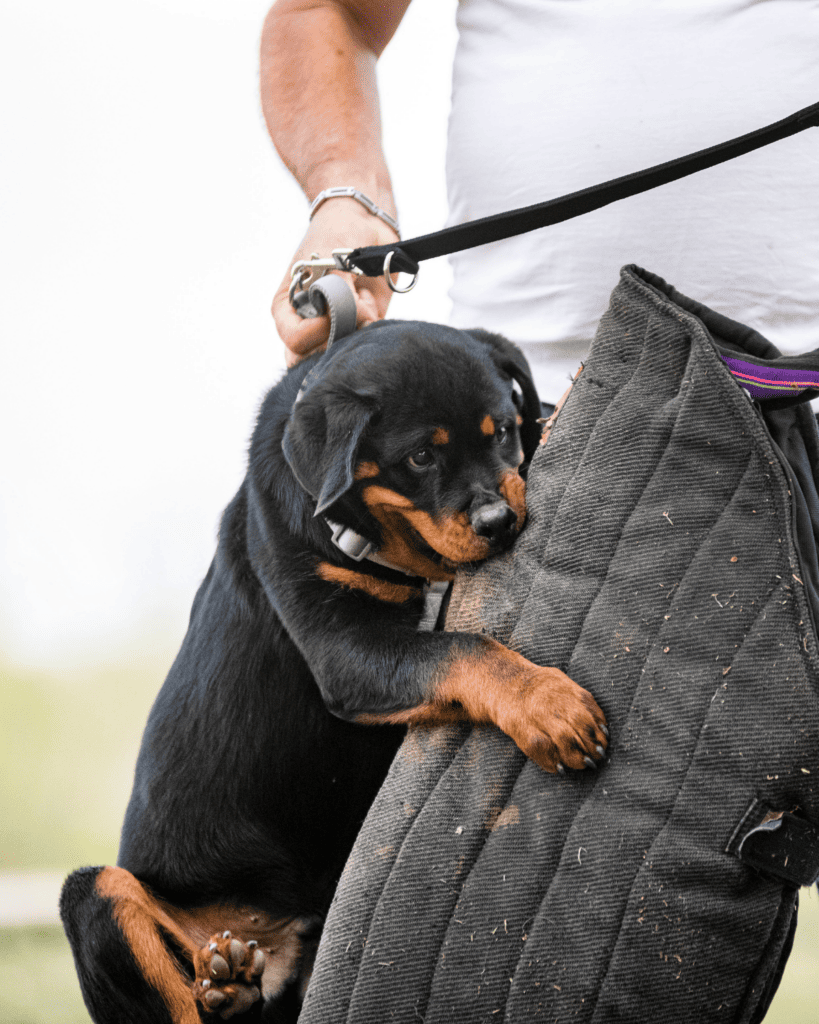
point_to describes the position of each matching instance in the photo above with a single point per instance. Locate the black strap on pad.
(778, 844)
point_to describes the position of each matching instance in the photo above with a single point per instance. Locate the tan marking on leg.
(395, 593)
(487, 425)
(552, 719)
(140, 917)
(366, 470)
(440, 436)
(427, 713)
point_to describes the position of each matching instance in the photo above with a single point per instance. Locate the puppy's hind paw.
(228, 975)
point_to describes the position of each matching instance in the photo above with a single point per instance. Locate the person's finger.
(342, 224)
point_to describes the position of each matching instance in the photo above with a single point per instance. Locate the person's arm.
(320, 102)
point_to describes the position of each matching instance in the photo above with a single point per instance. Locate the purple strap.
(763, 382)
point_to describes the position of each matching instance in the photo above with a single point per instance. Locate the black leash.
(375, 260)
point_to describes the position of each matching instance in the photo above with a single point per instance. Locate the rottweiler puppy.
(375, 471)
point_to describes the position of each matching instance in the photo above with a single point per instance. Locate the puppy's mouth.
(436, 545)
(429, 552)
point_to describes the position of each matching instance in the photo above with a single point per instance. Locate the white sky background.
(147, 221)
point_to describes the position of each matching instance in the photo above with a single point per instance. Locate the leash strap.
(408, 254)
(333, 296)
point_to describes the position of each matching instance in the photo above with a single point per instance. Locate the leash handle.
(408, 254)
(331, 295)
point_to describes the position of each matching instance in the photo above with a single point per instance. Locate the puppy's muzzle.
(496, 522)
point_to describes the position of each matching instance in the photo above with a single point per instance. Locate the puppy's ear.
(321, 440)
(513, 363)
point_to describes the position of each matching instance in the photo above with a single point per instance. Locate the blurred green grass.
(68, 743)
(41, 986)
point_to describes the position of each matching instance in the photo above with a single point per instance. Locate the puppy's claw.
(601, 750)
(604, 730)
(560, 768)
(589, 762)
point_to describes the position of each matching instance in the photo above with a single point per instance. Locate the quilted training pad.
(658, 568)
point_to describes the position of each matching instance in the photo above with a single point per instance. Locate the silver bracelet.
(348, 192)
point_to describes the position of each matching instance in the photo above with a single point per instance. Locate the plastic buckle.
(778, 844)
(434, 595)
(350, 543)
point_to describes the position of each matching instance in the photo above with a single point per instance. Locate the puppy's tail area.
(119, 936)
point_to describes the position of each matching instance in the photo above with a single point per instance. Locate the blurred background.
(147, 224)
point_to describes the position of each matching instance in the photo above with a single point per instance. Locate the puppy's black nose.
(495, 522)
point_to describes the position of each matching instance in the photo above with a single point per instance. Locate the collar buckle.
(350, 543)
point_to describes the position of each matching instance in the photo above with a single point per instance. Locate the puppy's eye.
(501, 434)
(421, 459)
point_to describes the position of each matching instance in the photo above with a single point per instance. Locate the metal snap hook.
(304, 273)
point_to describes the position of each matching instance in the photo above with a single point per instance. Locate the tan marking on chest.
(394, 593)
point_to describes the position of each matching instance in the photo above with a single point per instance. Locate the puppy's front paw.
(557, 723)
(228, 975)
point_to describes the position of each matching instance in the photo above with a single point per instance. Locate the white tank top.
(551, 96)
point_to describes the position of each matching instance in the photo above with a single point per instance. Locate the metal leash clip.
(304, 272)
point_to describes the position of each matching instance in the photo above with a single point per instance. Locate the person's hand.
(338, 224)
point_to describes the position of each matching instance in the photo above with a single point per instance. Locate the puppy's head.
(413, 435)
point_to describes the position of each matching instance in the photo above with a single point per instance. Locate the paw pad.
(228, 975)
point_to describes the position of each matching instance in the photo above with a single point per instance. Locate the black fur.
(253, 778)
